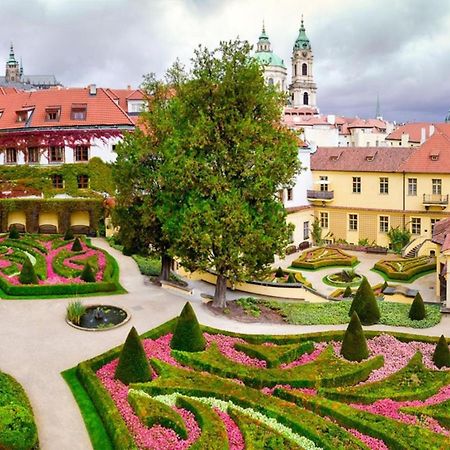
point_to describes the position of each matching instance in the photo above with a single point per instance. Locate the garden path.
(36, 344)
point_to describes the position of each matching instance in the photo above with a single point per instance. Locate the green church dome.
(302, 41)
(269, 59)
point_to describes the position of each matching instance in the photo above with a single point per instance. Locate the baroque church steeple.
(302, 88)
(13, 73)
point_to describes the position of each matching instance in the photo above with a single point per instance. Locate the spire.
(21, 68)
(12, 59)
(263, 42)
(302, 41)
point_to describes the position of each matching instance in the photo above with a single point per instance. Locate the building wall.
(301, 219)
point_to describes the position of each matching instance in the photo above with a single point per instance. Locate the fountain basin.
(101, 318)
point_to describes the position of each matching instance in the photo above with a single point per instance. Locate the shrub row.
(440, 412)
(25, 243)
(409, 269)
(314, 259)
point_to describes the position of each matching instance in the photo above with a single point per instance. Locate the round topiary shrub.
(87, 274)
(417, 310)
(17, 428)
(354, 345)
(441, 355)
(188, 336)
(27, 274)
(279, 273)
(76, 246)
(14, 233)
(291, 278)
(347, 292)
(68, 236)
(365, 304)
(133, 364)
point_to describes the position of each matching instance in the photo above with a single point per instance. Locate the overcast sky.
(397, 49)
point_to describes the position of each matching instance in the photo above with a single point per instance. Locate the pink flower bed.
(371, 442)
(235, 438)
(306, 358)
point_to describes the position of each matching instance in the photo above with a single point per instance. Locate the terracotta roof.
(433, 156)
(369, 123)
(301, 120)
(360, 159)
(440, 231)
(101, 110)
(123, 95)
(414, 130)
(294, 209)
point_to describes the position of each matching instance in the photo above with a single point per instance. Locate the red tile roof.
(414, 130)
(441, 232)
(360, 159)
(123, 95)
(369, 123)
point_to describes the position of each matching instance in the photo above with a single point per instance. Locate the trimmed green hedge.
(405, 268)
(440, 412)
(323, 257)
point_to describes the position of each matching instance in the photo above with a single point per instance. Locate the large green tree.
(224, 162)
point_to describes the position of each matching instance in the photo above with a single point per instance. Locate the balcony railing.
(324, 196)
(435, 199)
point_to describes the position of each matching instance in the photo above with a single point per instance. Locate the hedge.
(316, 260)
(411, 267)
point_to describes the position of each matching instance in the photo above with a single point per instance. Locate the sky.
(398, 50)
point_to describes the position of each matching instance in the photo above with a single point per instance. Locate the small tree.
(417, 310)
(133, 364)
(188, 336)
(354, 345)
(365, 304)
(441, 355)
(68, 236)
(87, 274)
(291, 278)
(14, 233)
(348, 292)
(279, 273)
(76, 246)
(27, 274)
(399, 237)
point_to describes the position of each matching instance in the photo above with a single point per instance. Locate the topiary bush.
(441, 355)
(17, 428)
(87, 274)
(365, 304)
(76, 246)
(68, 236)
(28, 274)
(14, 233)
(279, 273)
(188, 336)
(133, 365)
(354, 345)
(417, 310)
(347, 292)
(291, 278)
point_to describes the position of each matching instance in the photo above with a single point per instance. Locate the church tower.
(302, 89)
(13, 73)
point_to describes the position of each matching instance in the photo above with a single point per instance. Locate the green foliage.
(14, 233)
(74, 311)
(441, 355)
(149, 266)
(399, 237)
(317, 232)
(68, 236)
(279, 273)
(354, 345)
(417, 311)
(365, 304)
(405, 269)
(347, 292)
(27, 274)
(133, 365)
(76, 246)
(291, 278)
(187, 335)
(439, 411)
(249, 306)
(88, 274)
(323, 257)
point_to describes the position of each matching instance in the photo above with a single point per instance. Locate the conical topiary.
(14, 233)
(365, 304)
(27, 274)
(279, 273)
(347, 292)
(187, 335)
(76, 246)
(291, 278)
(133, 364)
(385, 285)
(417, 310)
(68, 236)
(354, 345)
(441, 355)
(87, 274)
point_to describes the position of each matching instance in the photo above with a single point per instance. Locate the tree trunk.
(166, 264)
(220, 300)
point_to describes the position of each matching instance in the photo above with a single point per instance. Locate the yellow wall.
(79, 218)
(48, 218)
(16, 217)
(297, 219)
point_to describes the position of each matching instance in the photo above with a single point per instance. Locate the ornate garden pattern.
(280, 392)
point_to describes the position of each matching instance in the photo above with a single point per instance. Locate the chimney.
(92, 89)
(405, 139)
(423, 135)
(331, 119)
(129, 87)
(431, 130)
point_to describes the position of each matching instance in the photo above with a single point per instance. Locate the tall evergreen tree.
(365, 304)
(417, 310)
(441, 355)
(354, 345)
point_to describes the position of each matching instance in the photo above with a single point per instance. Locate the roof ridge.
(118, 106)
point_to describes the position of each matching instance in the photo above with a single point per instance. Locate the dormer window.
(52, 113)
(79, 111)
(369, 158)
(434, 155)
(1, 113)
(24, 114)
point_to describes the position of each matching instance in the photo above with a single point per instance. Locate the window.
(11, 156)
(305, 230)
(22, 116)
(83, 181)
(295, 70)
(52, 114)
(324, 220)
(356, 185)
(433, 223)
(305, 99)
(384, 224)
(290, 194)
(280, 195)
(436, 186)
(415, 225)
(353, 222)
(33, 155)
(384, 185)
(78, 111)
(304, 69)
(270, 81)
(412, 186)
(81, 153)
(323, 183)
(56, 154)
(57, 181)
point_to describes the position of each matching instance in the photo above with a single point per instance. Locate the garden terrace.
(323, 257)
(279, 390)
(405, 269)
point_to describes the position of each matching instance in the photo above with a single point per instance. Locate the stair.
(411, 249)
